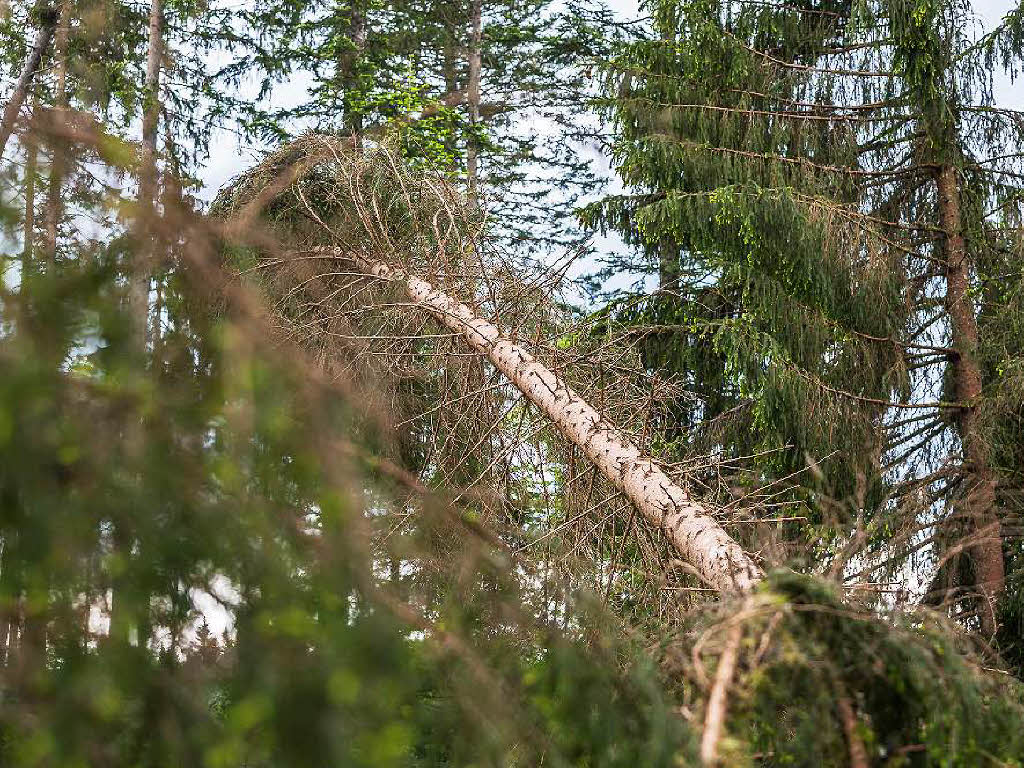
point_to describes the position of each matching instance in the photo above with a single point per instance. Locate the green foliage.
(916, 699)
(780, 161)
(399, 72)
(216, 466)
(236, 463)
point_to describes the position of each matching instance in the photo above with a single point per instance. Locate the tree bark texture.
(28, 238)
(349, 68)
(689, 528)
(979, 510)
(151, 114)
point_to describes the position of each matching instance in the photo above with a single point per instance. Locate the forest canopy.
(423, 441)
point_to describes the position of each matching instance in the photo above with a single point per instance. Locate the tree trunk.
(151, 114)
(985, 535)
(473, 94)
(129, 610)
(48, 20)
(140, 278)
(668, 268)
(5, 629)
(8, 590)
(31, 155)
(692, 532)
(54, 204)
(449, 64)
(350, 69)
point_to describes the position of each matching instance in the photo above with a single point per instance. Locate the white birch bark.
(690, 529)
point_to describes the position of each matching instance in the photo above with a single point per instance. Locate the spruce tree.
(829, 195)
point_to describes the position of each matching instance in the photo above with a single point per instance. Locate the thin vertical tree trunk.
(54, 204)
(129, 610)
(450, 59)
(151, 114)
(5, 628)
(47, 20)
(668, 268)
(854, 743)
(350, 69)
(475, 57)
(8, 610)
(985, 533)
(28, 238)
(148, 182)
(689, 528)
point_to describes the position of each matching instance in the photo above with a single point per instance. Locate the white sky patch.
(216, 606)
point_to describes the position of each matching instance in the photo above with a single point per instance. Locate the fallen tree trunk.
(692, 532)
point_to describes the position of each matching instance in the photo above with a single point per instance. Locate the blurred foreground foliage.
(918, 693)
(217, 469)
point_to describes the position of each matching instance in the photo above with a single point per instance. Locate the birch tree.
(410, 223)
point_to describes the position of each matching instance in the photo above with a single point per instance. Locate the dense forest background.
(511, 382)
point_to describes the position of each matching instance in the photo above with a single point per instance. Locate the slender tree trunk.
(473, 94)
(54, 204)
(350, 70)
(8, 603)
(851, 727)
(668, 268)
(128, 609)
(986, 551)
(148, 181)
(449, 66)
(48, 20)
(5, 628)
(28, 238)
(689, 528)
(151, 115)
